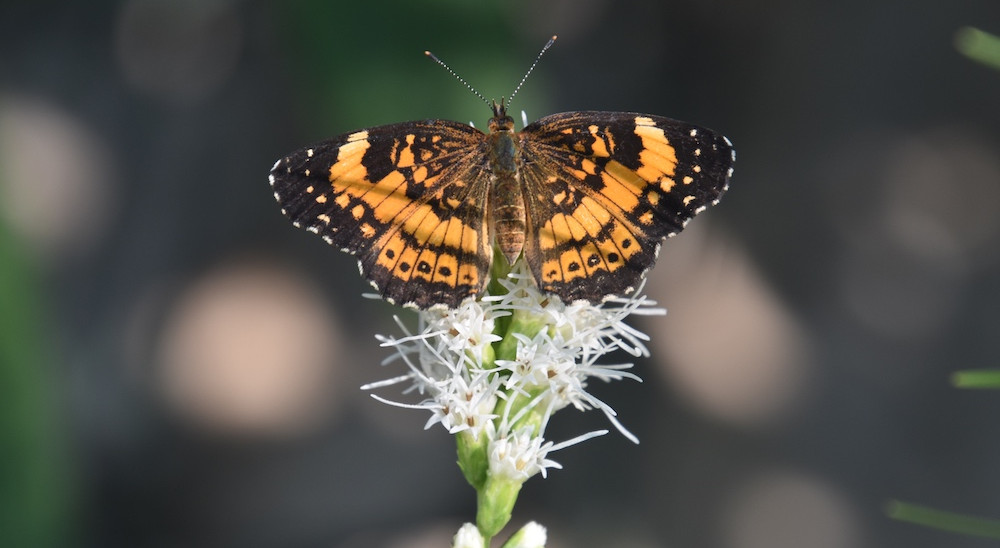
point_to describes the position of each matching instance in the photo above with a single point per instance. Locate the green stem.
(498, 271)
(495, 497)
(472, 459)
(495, 504)
(501, 325)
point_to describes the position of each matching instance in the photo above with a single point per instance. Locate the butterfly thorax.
(507, 217)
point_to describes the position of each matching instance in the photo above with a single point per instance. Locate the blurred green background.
(180, 367)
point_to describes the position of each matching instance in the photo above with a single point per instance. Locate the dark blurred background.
(180, 367)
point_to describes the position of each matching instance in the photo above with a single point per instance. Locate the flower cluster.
(493, 371)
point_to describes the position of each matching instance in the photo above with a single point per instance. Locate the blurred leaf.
(33, 493)
(361, 64)
(977, 378)
(945, 521)
(979, 45)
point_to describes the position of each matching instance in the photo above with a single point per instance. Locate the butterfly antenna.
(453, 73)
(532, 67)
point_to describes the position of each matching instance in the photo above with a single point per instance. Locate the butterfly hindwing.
(408, 199)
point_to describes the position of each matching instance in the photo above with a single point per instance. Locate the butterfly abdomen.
(507, 217)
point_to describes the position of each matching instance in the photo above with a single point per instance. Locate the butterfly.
(583, 198)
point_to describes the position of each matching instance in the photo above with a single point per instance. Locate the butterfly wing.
(407, 199)
(603, 189)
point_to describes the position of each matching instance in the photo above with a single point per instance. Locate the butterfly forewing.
(408, 199)
(606, 188)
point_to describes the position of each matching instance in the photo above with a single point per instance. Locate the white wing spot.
(694, 132)
(309, 153)
(328, 239)
(296, 224)
(275, 166)
(307, 172)
(726, 139)
(313, 229)
(270, 179)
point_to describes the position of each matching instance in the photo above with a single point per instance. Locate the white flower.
(532, 535)
(468, 536)
(521, 454)
(499, 367)
(447, 362)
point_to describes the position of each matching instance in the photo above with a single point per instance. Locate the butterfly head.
(500, 121)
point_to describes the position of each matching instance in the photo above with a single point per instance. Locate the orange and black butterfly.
(584, 198)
